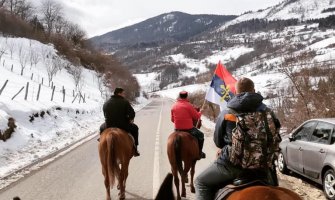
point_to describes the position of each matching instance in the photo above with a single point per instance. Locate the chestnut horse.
(182, 147)
(248, 193)
(115, 151)
(264, 193)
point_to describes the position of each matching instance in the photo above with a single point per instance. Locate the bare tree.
(60, 24)
(101, 85)
(47, 60)
(2, 2)
(21, 8)
(11, 47)
(23, 58)
(76, 72)
(51, 68)
(51, 10)
(2, 50)
(34, 57)
(74, 33)
(58, 63)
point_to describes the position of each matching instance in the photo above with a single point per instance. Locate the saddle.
(238, 184)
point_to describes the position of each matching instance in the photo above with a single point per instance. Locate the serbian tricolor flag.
(222, 87)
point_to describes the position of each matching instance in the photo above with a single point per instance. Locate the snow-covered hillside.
(290, 9)
(38, 135)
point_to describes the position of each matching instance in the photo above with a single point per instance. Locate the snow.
(192, 64)
(300, 9)
(225, 55)
(63, 124)
(322, 44)
(34, 140)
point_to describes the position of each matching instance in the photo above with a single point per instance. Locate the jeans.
(213, 178)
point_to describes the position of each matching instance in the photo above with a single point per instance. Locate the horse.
(182, 147)
(248, 193)
(115, 152)
(263, 193)
(165, 191)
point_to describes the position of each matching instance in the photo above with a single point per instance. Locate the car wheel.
(329, 184)
(281, 163)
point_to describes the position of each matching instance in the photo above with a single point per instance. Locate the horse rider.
(183, 115)
(120, 114)
(222, 172)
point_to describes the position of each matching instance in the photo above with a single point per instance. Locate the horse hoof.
(186, 179)
(183, 195)
(192, 190)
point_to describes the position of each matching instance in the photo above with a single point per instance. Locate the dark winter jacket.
(118, 112)
(226, 122)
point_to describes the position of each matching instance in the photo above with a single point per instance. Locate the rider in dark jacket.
(222, 171)
(119, 113)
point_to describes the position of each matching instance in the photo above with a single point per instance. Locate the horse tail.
(177, 151)
(110, 160)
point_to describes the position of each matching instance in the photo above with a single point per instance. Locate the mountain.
(290, 9)
(174, 26)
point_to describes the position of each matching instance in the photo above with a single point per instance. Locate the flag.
(222, 87)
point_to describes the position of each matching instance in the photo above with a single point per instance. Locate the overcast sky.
(97, 17)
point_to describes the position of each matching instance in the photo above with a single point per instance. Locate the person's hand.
(131, 121)
(218, 153)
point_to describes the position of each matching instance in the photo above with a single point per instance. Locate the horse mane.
(165, 191)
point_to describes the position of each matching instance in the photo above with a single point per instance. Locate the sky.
(97, 17)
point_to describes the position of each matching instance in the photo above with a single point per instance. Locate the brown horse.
(182, 147)
(248, 193)
(115, 151)
(264, 193)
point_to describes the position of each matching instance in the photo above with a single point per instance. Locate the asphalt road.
(77, 175)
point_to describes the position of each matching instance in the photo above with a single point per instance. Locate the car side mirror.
(291, 138)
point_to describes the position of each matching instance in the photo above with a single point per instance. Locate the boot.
(201, 145)
(135, 151)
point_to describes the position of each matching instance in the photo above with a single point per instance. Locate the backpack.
(255, 140)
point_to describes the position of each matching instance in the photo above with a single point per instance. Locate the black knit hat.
(118, 91)
(183, 94)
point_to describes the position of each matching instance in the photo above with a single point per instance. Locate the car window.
(332, 141)
(322, 133)
(304, 131)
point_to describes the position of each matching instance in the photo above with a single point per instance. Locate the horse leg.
(176, 182)
(107, 185)
(118, 174)
(122, 195)
(186, 175)
(187, 166)
(123, 179)
(192, 176)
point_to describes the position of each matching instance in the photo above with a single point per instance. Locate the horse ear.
(165, 191)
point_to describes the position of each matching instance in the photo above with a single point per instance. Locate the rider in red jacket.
(184, 116)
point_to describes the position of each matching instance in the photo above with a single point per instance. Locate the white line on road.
(156, 175)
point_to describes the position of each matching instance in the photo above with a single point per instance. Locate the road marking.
(156, 175)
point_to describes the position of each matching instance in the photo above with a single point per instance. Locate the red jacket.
(183, 114)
